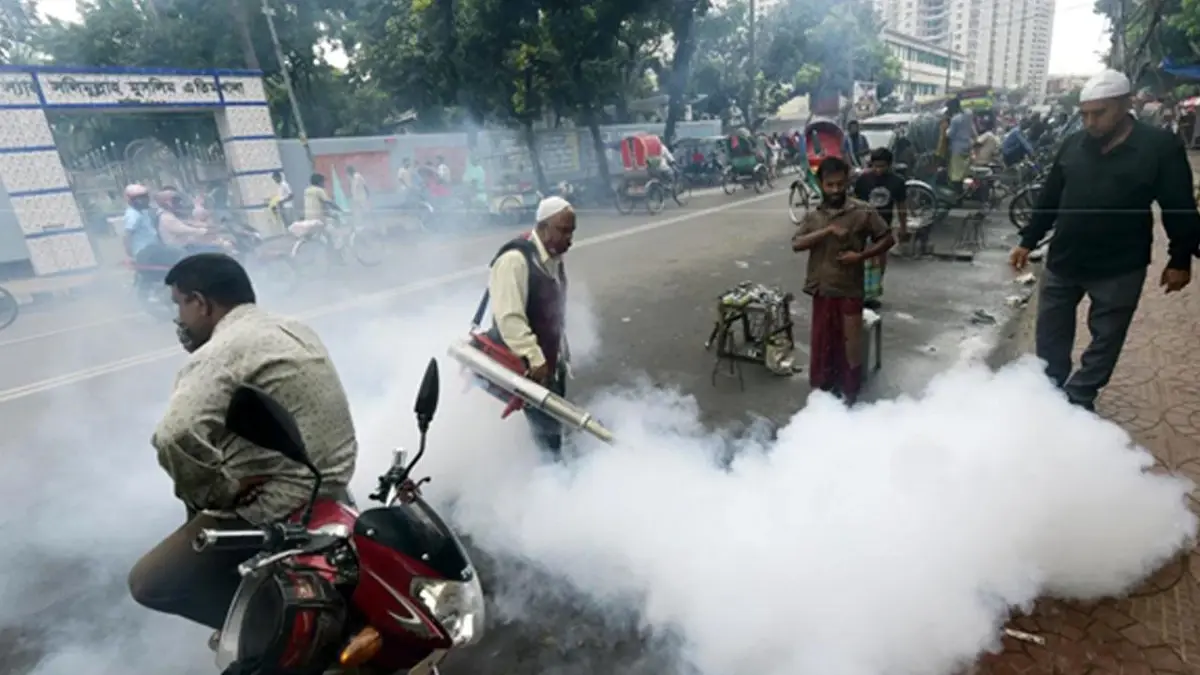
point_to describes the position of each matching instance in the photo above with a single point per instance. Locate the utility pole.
(949, 49)
(1118, 39)
(287, 82)
(749, 111)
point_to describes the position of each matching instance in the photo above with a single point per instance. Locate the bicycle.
(9, 308)
(319, 243)
(681, 189)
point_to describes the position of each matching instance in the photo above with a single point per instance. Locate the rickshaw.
(642, 164)
(822, 138)
(700, 159)
(747, 163)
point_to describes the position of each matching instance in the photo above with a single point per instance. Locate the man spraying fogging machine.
(523, 358)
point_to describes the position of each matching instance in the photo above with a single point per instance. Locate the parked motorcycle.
(390, 588)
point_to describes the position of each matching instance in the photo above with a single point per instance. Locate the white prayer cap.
(1108, 84)
(551, 206)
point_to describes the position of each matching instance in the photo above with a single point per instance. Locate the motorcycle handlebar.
(225, 540)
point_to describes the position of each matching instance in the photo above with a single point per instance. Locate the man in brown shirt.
(835, 234)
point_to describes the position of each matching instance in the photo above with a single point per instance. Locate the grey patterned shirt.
(287, 360)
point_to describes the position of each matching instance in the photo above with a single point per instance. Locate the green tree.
(18, 20)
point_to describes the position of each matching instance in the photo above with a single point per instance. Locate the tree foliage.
(475, 63)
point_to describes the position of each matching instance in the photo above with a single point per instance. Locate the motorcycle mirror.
(427, 396)
(260, 419)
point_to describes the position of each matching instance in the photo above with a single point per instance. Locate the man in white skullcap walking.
(1097, 198)
(527, 292)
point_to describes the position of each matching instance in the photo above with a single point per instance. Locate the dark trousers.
(174, 579)
(547, 431)
(1114, 301)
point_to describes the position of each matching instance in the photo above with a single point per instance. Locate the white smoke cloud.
(892, 538)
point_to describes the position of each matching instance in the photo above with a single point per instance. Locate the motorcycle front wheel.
(9, 308)
(656, 197)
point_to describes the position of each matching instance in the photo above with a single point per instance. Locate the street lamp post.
(287, 82)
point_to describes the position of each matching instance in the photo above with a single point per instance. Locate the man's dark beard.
(1098, 143)
(187, 340)
(834, 200)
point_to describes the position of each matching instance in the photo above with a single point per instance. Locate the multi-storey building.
(1006, 42)
(924, 66)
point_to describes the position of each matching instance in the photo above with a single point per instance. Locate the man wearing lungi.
(836, 236)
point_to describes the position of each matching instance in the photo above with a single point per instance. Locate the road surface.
(82, 383)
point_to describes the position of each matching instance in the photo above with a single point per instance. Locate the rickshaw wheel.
(656, 197)
(623, 201)
(509, 210)
(798, 202)
(766, 173)
(760, 179)
(729, 184)
(682, 190)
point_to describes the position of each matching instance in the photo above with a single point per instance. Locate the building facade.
(1006, 42)
(924, 66)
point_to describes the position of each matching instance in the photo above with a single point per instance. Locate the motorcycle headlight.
(457, 605)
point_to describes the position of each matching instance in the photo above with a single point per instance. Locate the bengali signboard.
(17, 89)
(99, 89)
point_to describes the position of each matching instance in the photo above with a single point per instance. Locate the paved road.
(81, 386)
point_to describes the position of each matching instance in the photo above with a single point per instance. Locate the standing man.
(888, 195)
(360, 196)
(960, 139)
(528, 292)
(836, 236)
(224, 481)
(1097, 198)
(404, 181)
(283, 198)
(858, 143)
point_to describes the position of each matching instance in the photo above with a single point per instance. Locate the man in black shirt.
(1097, 196)
(887, 193)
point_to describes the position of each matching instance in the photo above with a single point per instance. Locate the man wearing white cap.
(527, 291)
(1097, 197)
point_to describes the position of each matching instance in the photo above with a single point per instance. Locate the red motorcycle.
(390, 589)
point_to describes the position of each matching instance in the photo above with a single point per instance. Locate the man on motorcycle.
(141, 233)
(527, 291)
(224, 481)
(174, 230)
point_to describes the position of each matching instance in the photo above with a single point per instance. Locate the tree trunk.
(685, 46)
(534, 158)
(589, 117)
(241, 22)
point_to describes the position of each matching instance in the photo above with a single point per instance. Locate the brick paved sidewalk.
(1155, 394)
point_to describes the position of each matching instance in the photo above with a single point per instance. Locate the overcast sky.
(1079, 34)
